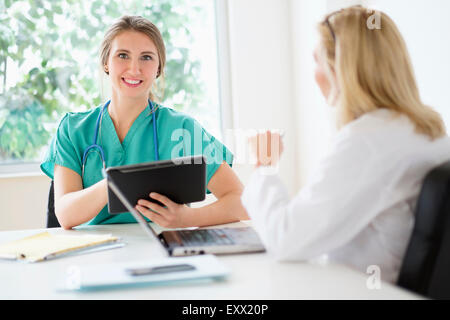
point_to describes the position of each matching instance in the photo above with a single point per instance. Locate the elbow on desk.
(63, 221)
(66, 227)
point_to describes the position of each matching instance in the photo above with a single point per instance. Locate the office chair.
(426, 265)
(52, 221)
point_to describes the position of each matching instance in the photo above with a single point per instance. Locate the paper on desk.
(107, 275)
(46, 245)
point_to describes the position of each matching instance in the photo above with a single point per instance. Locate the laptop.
(198, 241)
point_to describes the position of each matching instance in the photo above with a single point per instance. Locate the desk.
(253, 276)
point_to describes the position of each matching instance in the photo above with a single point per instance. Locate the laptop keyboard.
(208, 236)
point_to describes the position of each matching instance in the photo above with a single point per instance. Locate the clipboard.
(183, 180)
(157, 272)
(46, 246)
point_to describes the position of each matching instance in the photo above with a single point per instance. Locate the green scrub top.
(178, 135)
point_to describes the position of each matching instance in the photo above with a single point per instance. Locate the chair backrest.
(52, 221)
(426, 265)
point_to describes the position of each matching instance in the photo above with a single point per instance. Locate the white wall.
(23, 202)
(261, 77)
(273, 86)
(313, 117)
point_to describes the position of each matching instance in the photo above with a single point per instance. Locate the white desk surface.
(253, 276)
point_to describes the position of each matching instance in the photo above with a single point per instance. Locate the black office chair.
(426, 265)
(52, 221)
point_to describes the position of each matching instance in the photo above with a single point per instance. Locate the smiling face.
(132, 65)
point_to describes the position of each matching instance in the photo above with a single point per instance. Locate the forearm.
(227, 209)
(75, 208)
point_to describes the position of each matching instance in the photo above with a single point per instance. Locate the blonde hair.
(370, 68)
(139, 24)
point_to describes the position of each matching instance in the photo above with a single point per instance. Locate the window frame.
(30, 168)
(224, 67)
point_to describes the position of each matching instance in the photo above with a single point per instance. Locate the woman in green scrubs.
(133, 56)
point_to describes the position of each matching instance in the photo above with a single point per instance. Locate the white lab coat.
(358, 207)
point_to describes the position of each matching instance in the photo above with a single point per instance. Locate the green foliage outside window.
(60, 34)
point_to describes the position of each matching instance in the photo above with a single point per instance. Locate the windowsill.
(20, 170)
(21, 174)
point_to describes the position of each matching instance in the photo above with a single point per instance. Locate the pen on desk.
(85, 250)
(160, 269)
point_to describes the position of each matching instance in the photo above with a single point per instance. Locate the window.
(49, 65)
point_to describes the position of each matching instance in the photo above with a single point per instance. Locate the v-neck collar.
(143, 116)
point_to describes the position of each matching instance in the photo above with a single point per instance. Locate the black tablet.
(183, 180)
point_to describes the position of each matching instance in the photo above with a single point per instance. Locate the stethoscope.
(99, 149)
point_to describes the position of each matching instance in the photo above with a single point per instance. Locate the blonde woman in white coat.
(358, 208)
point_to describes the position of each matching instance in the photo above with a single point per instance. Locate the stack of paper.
(45, 246)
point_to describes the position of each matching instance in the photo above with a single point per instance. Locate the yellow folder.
(45, 246)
